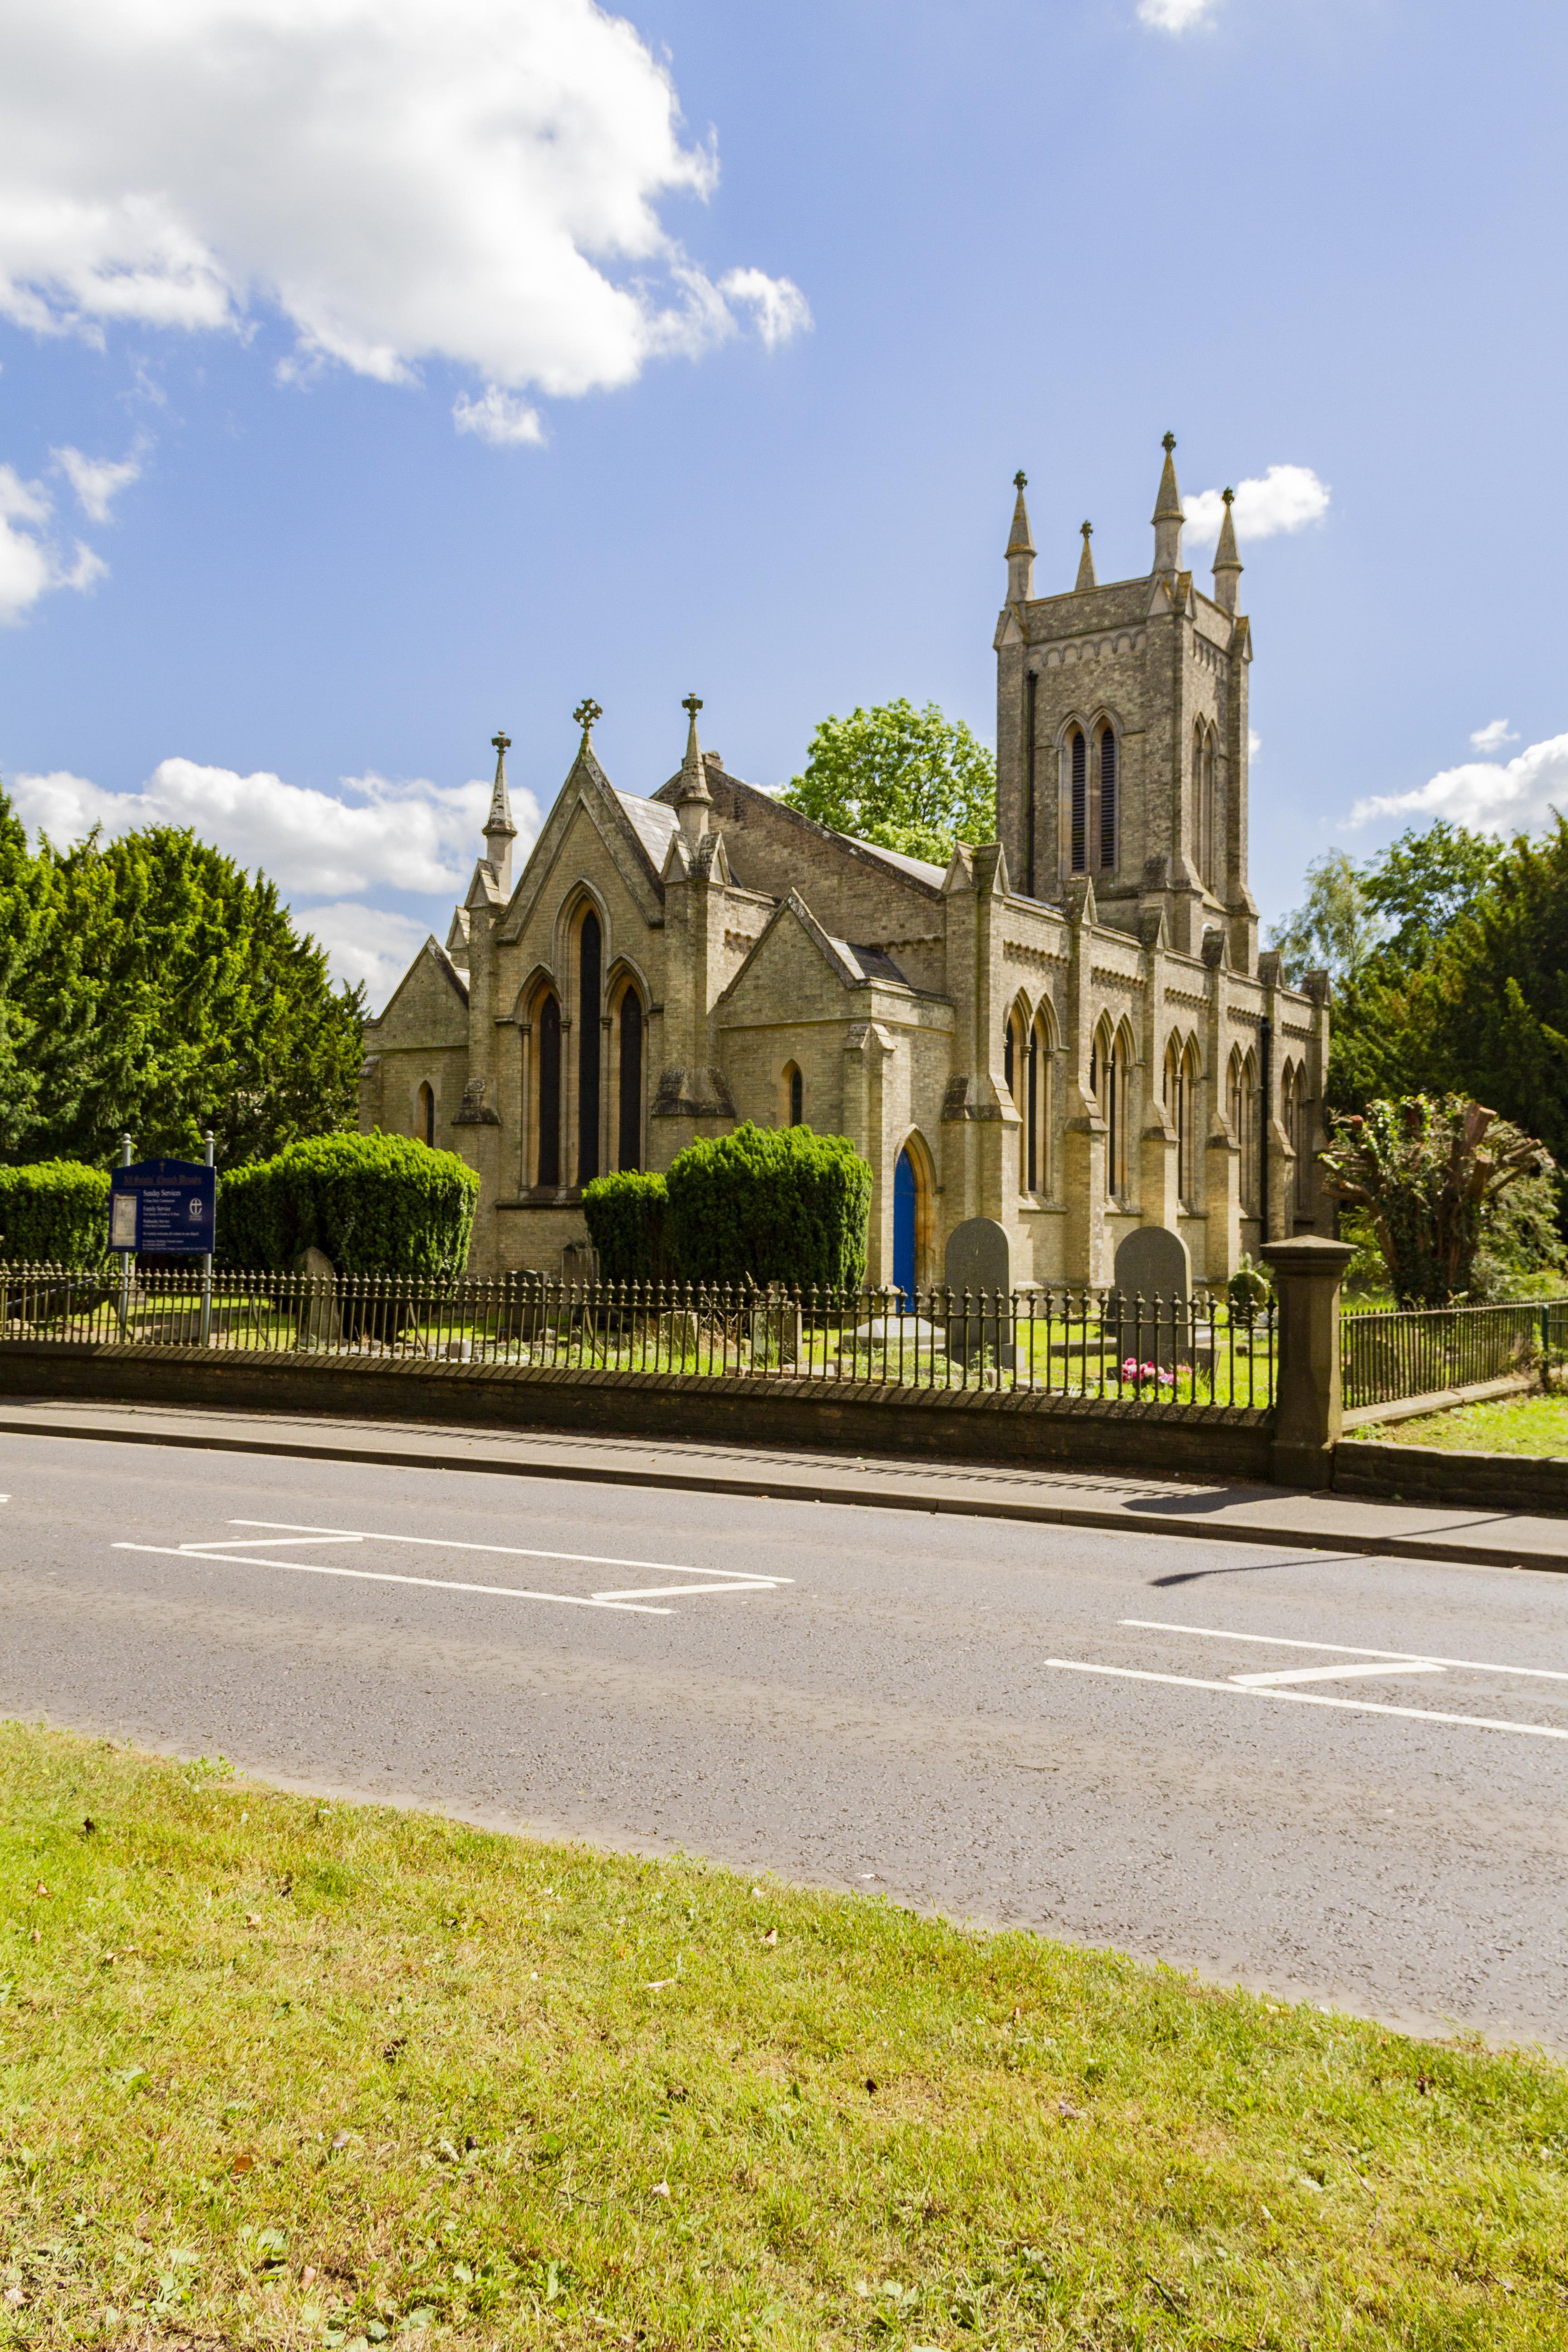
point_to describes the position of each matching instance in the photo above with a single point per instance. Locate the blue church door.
(905, 1196)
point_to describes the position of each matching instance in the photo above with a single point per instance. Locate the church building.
(1069, 1030)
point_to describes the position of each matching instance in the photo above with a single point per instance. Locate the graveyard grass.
(283, 2072)
(1518, 1424)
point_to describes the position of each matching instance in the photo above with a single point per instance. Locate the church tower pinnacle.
(1168, 516)
(1020, 548)
(1086, 578)
(500, 830)
(693, 801)
(1227, 564)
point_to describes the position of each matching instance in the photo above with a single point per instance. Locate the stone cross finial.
(500, 743)
(1086, 528)
(691, 704)
(1086, 578)
(585, 714)
(1020, 480)
(1229, 496)
(1168, 443)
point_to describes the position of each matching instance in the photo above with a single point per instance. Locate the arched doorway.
(906, 1221)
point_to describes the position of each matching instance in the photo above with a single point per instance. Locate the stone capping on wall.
(1020, 1428)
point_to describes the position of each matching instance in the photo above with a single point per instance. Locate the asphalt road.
(1033, 1725)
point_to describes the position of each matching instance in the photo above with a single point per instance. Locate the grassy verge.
(1522, 1424)
(284, 2073)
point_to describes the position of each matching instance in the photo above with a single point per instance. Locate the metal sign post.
(167, 1208)
(122, 1233)
(208, 1256)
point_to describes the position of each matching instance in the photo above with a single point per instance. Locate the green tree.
(1422, 884)
(1335, 930)
(1430, 1173)
(148, 985)
(908, 780)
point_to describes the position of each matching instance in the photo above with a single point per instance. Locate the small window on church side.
(796, 1098)
(1108, 808)
(427, 1114)
(1079, 757)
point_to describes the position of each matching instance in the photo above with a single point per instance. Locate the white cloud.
(416, 836)
(1513, 797)
(498, 417)
(97, 482)
(475, 182)
(30, 565)
(365, 943)
(1287, 498)
(1174, 16)
(1254, 743)
(1492, 736)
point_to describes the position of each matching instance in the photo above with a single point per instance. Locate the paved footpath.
(1162, 1506)
(1331, 1775)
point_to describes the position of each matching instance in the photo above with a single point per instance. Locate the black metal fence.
(1416, 1352)
(1079, 1344)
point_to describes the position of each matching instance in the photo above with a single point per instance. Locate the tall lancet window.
(549, 1172)
(1108, 800)
(1079, 755)
(630, 1138)
(590, 960)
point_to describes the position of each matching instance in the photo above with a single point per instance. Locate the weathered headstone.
(979, 1261)
(1153, 1285)
(320, 1323)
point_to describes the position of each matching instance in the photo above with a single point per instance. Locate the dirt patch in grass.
(275, 2072)
(1522, 1424)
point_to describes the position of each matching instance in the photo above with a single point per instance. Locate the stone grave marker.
(978, 1260)
(1154, 1264)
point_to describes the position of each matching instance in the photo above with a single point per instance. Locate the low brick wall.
(843, 1417)
(1441, 1474)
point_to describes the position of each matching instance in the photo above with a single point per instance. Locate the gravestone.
(1153, 1266)
(978, 1260)
(320, 1323)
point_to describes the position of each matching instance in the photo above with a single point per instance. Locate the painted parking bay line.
(250, 1550)
(1310, 1698)
(1349, 1649)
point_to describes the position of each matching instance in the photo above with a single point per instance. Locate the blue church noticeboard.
(167, 1207)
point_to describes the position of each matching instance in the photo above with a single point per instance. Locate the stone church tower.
(1121, 736)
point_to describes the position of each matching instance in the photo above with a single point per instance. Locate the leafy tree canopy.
(148, 985)
(908, 780)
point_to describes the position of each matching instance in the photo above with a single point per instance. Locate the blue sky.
(422, 365)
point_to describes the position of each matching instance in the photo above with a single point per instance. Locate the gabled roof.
(854, 967)
(432, 949)
(652, 822)
(928, 878)
(626, 835)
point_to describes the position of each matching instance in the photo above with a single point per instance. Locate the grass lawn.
(281, 2071)
(1520, 1424)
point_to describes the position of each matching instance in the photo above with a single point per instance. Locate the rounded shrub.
(626, 1215)
(769, 1204)
(54, 1213)
(373, 1204)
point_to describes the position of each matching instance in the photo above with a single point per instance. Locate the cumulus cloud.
(478, 181)
(1490, 797)
(1492, 736)
(30, 563)
(416, 836)
(1174, 16)
(498, 417)
(1287, 498)
(366, 944)
(97, 482)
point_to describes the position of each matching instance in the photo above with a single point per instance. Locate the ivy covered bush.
(769, 1204)
(374, 1204)
(626, 1215)
(54, 1213)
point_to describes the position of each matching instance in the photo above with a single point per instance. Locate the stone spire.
(1086, 578)
(500, 830)
(1168, 516)
(693, 801)
(1227, 564)
(1020, 548)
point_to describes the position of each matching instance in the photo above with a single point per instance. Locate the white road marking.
(384, 1576)
(444, 1543)
(1331, 1674)
(1346, 1649)
(1309, 1698)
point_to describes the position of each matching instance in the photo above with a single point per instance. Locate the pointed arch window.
(794, 1091)
(1243, 1109)
(1108, 799)
(427, 1113)
(548, 1123)
(1077, 756)
(1181, 1101)
(590, 973)
(629, 1137)
(1108, 1082)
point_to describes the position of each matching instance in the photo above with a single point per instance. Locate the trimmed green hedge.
(54, 1213)
(769, 1204)
(374, 1204)
(626, 1216)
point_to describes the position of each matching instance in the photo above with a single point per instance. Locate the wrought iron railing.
(1050, 1343)
(1422, 1352)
